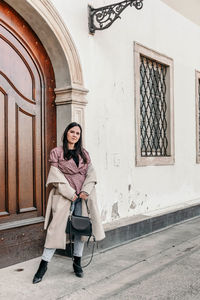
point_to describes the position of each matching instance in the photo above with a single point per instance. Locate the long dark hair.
(77, 147)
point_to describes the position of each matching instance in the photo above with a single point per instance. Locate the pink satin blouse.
(75, 175)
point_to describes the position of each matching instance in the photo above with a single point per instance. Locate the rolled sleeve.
(53, 158)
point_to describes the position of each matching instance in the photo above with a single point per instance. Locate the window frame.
(197, 99)
(162, 59)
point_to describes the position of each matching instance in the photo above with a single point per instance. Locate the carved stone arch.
(70, 92)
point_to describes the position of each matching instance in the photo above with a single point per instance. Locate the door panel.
(26, 111)
(23, 161)
(21, 67)
(3, 154)
(25, 140)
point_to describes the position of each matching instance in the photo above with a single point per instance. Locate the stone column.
(70, 102)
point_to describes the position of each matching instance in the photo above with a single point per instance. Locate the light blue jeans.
(48, 253)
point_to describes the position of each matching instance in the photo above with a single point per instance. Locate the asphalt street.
(162, 265)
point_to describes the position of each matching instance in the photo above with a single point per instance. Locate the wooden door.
(27, 132)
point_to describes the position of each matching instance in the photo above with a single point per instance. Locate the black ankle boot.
(77, 266)
(40, 272)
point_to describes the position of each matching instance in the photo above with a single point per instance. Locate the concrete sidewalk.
(162, 265)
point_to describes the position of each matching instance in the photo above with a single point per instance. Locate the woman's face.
(73, 135)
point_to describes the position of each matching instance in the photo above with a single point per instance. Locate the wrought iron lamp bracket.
(103, 17)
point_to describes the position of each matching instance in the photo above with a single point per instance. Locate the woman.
(73, 179)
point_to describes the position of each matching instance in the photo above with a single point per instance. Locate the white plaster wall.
(108, 69)
(189, 9)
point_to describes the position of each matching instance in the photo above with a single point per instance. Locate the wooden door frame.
(29, 232)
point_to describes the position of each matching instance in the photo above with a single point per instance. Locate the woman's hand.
(83, 195)
(74, 198)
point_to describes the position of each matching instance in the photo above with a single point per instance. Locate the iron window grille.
(153, 108)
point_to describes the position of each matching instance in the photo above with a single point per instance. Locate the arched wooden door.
(27, 132)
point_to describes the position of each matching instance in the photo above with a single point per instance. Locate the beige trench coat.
(59, 203)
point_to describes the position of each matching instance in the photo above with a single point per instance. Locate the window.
(154, 107)
(197, 117)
